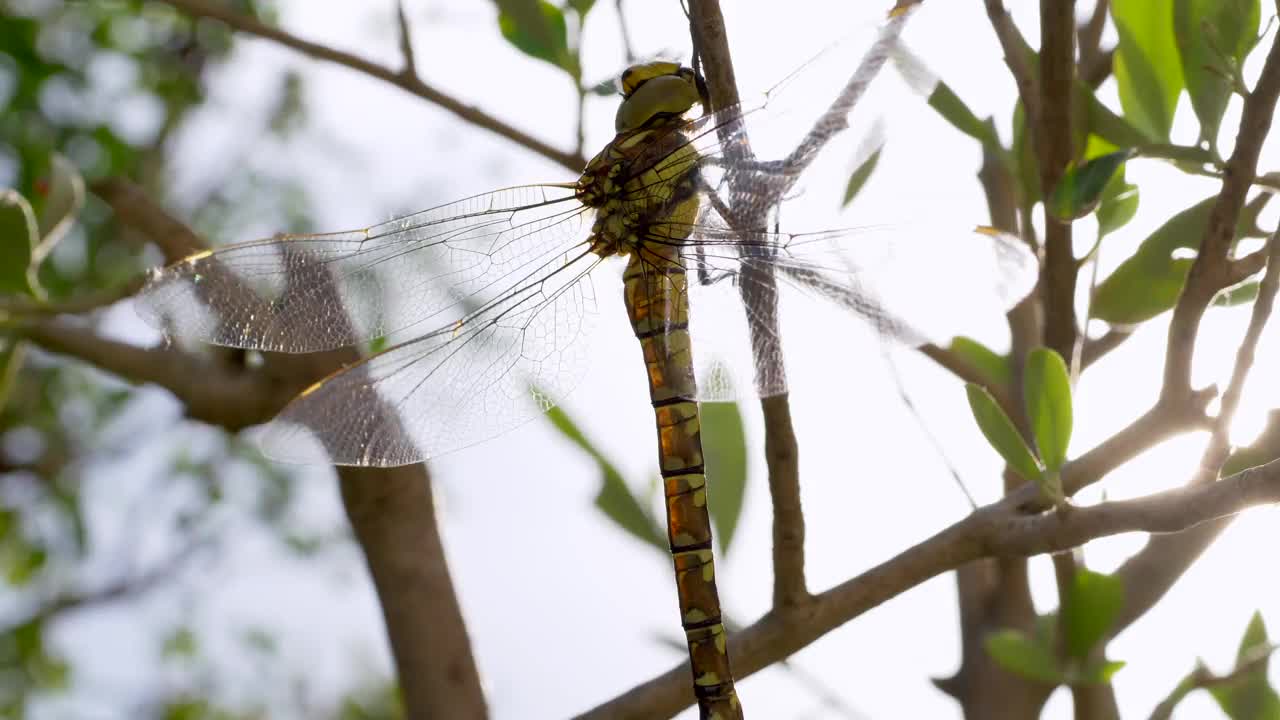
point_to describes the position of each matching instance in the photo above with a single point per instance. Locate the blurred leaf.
(859, 177)
(191, 708)
(614, 499)
(1213, 37)
(1119, 205)
(12, 354)
(1046, 390)
(373, 703)
(1100, 673)
(1240, 294)
(1250, 697)
(955, 111)
(181, 643)
(1094, 604)
(538, 29)
(1080, 189)
(1108, 125)
(993, 367)
(1021, 655)
(1000, 432)
(60, 207)
(724, 449)
(19, 235)
(1024, 154)
(1149, 282)
(22, 562)
(582, 7)
(260, 640)
(1147, 67)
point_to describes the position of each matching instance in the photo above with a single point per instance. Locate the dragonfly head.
(660, 88)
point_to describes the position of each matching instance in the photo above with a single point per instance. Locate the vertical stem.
(393, 515)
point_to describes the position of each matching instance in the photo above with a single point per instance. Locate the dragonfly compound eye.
(665, 95)
(640, 73)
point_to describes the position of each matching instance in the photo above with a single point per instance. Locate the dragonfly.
(484, 303)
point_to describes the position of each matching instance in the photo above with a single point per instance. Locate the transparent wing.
(498, 368)
(304, 293)
(756, 151)
(913, 284)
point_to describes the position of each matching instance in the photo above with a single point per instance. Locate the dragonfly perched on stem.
(489, 297)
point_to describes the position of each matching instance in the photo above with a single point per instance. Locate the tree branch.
(391, 511)
(1054, 142)
(997, 530)
(404, 79)
(393, 515)
(1151, 572)
(1016, 58)
(1202, 678)
(211, 392)
(781, 449)
(1211, 268)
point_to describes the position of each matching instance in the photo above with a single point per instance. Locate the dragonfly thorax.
(643, 177)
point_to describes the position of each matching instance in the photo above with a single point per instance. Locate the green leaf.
(1149, 282)
(860, 176)
(1251, 697)
(57, 211)
(1245, 292)
(1000, 432)
(19, 235)
(12, 355)
(1119, 205)
(1148, 70)
(724, 449)
(181, 643)
(1024, 154)
(994, 368)
(1021, 655)
(1093, 604)
(1046, 390)
(1213, 37)
(954, 110)
(1108, 125)
(538, 29)
(1100, 673)
(614, 499)
(1081, 188)
(582, 7)
(23, 562)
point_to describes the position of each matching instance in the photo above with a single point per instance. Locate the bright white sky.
(516, 512)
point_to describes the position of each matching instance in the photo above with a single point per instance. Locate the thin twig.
(406, 42)
(117, 590)
(905, 397)
(18, 307)
(1202, 678)
(1017, 57)
(1095, 350)
(410, 83)
(1095, 63)
(628, 49)
(1219, 442)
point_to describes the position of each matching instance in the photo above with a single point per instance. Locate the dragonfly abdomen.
(655, 287)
